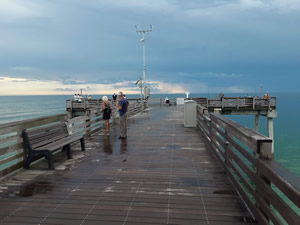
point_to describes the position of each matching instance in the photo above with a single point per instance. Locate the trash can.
(190, 113)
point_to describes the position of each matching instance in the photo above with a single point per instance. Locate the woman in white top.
(106, 109)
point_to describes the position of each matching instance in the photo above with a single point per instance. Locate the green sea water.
(286, 125)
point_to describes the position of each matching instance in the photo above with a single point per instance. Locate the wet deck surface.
(162, 174)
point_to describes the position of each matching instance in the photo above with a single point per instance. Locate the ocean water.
(286, 125)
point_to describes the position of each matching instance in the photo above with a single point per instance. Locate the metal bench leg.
(68, 149)
(50, 160)
(82, 144)
(28, 161)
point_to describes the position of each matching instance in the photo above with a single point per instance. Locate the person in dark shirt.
(122, 105)
(114, 97)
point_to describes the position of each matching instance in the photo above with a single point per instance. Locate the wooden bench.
(46, 140)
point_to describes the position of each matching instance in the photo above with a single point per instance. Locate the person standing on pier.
(122, 105)
(114, 97)
(106, 109)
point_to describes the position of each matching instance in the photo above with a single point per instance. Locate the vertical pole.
(144, 63)
(261, 88)
(141, 87)
(144, 54)
(271, 131)
(256, 123)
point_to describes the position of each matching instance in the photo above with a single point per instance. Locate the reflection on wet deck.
(162, 173)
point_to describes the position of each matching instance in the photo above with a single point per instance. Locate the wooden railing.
(239, 103)
(89, 124)
(270, 192)
(84, 103)
(11, 142)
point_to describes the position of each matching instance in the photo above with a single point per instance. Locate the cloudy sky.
(60, 46)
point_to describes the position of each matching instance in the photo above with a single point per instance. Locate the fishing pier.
(218, 172)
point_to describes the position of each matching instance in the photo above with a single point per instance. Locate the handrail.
(11, 141)
(246, 156)
(238, 103)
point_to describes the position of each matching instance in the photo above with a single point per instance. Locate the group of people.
(266, 96)
(77, 97)
(122, 105)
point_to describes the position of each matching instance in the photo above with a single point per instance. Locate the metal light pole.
(140, 83)
(144, 54)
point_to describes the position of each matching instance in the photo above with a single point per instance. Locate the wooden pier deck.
(162, 173)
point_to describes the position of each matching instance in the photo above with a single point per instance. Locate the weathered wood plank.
(19, 156)
(11, 168)
(265, 192)
(269, 213)
(11, 148)
(251, 158)
(283, 179)
(8, 139)
(238, 131)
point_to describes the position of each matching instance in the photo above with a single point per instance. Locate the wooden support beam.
(256, 123)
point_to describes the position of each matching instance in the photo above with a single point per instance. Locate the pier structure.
(257, 106)
(164, 173)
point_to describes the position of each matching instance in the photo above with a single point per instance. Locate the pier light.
(143, 40)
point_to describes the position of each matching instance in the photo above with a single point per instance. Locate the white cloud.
(252, 3)
(286, 4)
(166, 87)
(230, 8)
(281, 5)
(15, 86)
(25, 68)
(16, 10)
(163, 6)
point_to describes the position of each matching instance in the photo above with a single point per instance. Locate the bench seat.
(59, 144)
(48, 139)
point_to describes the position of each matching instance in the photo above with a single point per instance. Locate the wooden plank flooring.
(162, 174)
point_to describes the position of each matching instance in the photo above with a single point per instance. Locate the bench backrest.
(38, 137)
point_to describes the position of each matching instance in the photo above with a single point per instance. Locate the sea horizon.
(191, 93)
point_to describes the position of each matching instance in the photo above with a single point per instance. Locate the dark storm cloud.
(231, 43)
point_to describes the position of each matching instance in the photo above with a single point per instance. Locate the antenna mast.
(143, 40)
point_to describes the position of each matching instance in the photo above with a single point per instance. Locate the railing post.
(256, 123)
(87, 126)
(222, 102)
(270, 117)
(227, 155)
(209, 126)
(271, 131)
(20, 138)
(264, 151)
